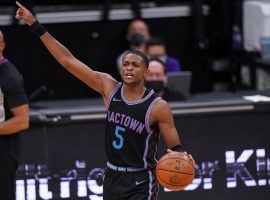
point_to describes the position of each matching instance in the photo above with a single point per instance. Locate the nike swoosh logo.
(139, 182)
(114, 99)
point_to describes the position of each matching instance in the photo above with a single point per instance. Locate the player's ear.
(146, 72)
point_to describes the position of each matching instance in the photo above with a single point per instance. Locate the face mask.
(136, 39)
(157, 86)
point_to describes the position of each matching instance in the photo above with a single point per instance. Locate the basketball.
(175, 171)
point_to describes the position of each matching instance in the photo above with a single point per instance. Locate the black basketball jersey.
(130, 141)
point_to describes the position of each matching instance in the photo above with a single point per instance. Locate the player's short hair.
(138, 53)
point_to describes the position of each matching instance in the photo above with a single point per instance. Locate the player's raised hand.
(24, 14)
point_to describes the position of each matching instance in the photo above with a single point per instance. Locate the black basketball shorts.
(130, 186)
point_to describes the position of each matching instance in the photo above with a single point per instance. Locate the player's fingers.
(20, 5)
(18, 11)
(169, 150)
(191, 158)
(17, 14)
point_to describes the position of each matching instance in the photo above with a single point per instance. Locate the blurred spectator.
(157, 80)
(156, 48)
(137, 36)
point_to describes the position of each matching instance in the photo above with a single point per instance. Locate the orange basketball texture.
(175, 170)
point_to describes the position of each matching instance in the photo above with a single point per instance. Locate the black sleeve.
(13, 88)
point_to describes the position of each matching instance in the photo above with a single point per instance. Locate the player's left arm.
(162, 114)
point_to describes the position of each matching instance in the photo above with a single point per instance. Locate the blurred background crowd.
(218, 41)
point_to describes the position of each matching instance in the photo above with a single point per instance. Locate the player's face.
(133, 69)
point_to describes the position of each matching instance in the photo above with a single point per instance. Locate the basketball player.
(135, 116)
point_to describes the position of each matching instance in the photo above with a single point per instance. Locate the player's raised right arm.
(96, 80)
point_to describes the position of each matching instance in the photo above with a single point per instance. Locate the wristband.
(37, 28)
(177, 148)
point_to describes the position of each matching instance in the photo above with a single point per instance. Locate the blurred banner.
(231, 150)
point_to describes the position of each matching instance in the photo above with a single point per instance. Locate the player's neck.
(133, 92)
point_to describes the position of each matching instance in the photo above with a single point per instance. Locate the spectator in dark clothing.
(137, 36)
(156, 48)
(157, 80)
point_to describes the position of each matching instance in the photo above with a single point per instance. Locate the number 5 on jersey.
(119, 144)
